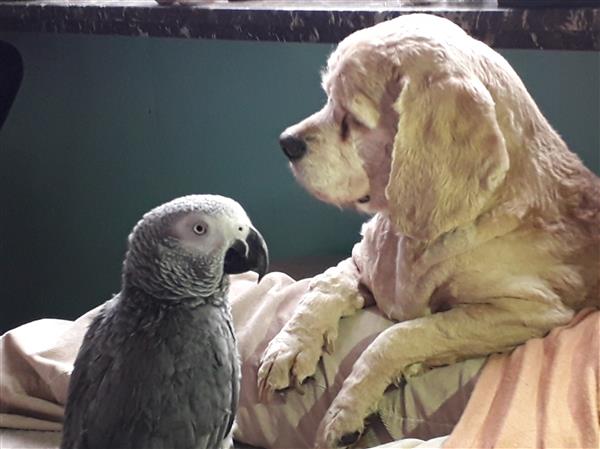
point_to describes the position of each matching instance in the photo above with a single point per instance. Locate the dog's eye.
(345, 128)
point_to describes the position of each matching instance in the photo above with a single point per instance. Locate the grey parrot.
(158, 366)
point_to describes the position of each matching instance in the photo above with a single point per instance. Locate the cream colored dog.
(486, 230)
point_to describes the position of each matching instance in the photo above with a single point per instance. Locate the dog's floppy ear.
(449, 155)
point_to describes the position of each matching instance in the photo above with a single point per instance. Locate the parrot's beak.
(251, 254)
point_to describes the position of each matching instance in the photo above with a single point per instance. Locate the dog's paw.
(287, 362)
(342, 426)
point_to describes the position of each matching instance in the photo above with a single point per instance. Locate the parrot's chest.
(186, 346)
(180, 368)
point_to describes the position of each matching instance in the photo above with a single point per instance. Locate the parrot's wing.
(214, 440)
(235, 383)
(121, 412)
(91, 420)
(83, 384)
(218, 423)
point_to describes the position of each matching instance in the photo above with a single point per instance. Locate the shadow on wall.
(105, 128)
(11, 75)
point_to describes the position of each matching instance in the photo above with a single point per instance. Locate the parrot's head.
(186, 248)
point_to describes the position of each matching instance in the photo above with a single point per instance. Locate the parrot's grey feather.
(158, 367)
(146, 359)
(83, 385)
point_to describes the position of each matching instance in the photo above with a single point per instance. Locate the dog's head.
(409, 128)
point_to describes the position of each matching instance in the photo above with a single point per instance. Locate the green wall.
(105, 128)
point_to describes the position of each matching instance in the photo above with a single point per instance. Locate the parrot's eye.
(199, 229)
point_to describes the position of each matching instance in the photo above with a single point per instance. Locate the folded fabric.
(36, 362)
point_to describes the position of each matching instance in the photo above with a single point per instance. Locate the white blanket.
(37, 360)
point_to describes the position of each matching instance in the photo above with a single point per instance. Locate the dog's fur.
(486, 230)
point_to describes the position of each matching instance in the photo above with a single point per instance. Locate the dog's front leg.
(442, 338)
(293, 354)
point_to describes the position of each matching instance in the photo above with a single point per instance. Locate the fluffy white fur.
(486, 230)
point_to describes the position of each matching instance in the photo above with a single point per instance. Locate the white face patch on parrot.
(208, 235)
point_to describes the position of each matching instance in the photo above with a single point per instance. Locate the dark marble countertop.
(530, 27)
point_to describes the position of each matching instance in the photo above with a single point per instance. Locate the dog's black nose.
(293, 147)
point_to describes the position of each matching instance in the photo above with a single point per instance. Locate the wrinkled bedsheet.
(543, 394)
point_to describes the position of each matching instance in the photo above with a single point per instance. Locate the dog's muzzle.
(293, 147)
